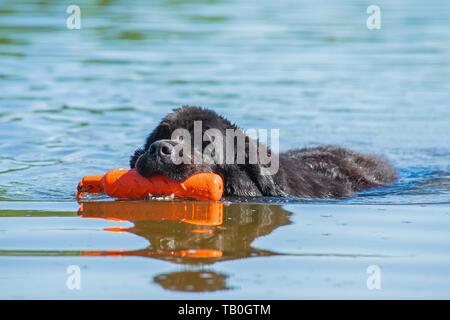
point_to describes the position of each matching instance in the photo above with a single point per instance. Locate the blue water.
(77, 102)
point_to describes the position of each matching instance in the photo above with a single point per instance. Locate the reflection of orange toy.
(128, 184)
(197, 213)
(195, 253)
(202, 215)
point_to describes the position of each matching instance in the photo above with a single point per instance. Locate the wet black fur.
(320, 172)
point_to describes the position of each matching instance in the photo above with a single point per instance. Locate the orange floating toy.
(128, 184)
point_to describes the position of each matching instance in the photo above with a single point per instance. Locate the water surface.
(77, 102)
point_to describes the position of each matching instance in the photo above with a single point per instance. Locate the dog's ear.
(238, 183)
(139, 152)
(261, 177)
(265, 183)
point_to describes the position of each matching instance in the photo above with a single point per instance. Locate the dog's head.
(191, 140)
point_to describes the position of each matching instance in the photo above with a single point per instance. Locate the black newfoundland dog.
(321, 172)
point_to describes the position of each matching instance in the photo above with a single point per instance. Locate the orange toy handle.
(128, 184)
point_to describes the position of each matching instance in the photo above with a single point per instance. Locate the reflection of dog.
(323, 172)
(196, 244)
(242, 224)
(192, 281)
(191, 233)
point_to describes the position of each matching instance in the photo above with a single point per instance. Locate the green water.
(77, 102)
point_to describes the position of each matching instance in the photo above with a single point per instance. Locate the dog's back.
(329, 171)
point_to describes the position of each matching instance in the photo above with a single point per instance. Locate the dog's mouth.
(148, 166)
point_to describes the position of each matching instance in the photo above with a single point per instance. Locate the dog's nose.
(161, 148)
